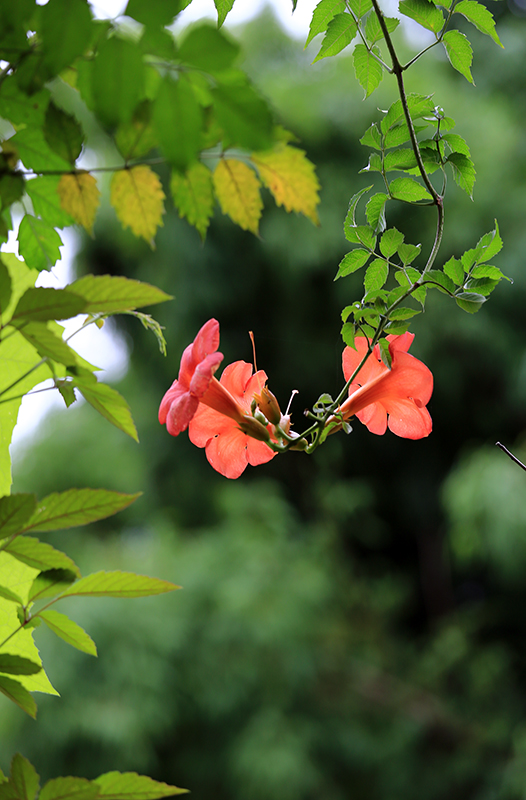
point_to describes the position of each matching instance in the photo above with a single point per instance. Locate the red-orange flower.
(223, 423)
(198, 364)
(382, 397)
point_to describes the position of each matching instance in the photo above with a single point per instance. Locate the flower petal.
(227, 452)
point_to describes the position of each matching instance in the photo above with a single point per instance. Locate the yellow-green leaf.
(237, 189)
(291, 178)
(118, 584)
(80, 197)
(137, 196)
(193, 195)
(68, 630)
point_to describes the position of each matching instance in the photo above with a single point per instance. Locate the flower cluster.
(238, 420)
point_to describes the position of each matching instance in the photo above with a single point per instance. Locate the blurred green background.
(352, 625)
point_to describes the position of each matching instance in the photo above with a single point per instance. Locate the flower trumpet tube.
(381, 397)
(224, 426)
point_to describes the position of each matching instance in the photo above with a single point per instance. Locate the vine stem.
(513, 458)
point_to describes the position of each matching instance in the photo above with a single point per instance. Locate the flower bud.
(269, 406)
(253, 428)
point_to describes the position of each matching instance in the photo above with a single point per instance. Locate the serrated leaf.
(118, 584)
(109, 403)
(408, 252)
(110, 294)
(50, 583)
(352, 262)
(135, 139)
(291, 178)
(423, 12)
(489, 245)
(68, 788)
(21, 108)
(488, 271)
(63, 133)
(76, 507)
(38, 243)
(454, 270)
(348, 333)
(349, 226)
(459, 52)
(243, 115)
(457, 143)
(155, 13)
(136, 195)
(400, 159)
(40, 555)
(368, 70)
(360, 7)
(376, 275)
(237, 189)
(74, 635)
(443, 282)
(80, 198)
(401, 313)
(34, 151)
(341, 30)
(117, 80)
(397, 135)
(373, 29)
(419, 105)
(374, 164)
(222, 8)
(463, 171)
(130, 786)
(409, 190)
(19, 695)
(324, 12)
(483, 286)
(43, 192)
(480, 16)
(12, 597)
(48, 344)
(469, 301)
(43, 303)
(206, 48)
(366, 236)
(375, 211)
(177, 118)
(15, 510)
(390, 242)
(193, 196)
(66, 29)
(372, 137)
(17, 665)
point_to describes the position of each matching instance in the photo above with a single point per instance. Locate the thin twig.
(513, 458)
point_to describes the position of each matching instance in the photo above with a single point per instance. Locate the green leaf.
(372, 137)
(352, 262)
(117, 80)
(397, 135)
(373, 29)
(369, 71)
(74, 635)
(456, 143)
(48, 344)
(366, 236)
(38, 243)
(19, 695)
(11, 189)
(375, 211)
(244, 116)
(11, 596)
(15, 510)
(348, 333)
(376, 275)
(155, 13)
(349, 226)
(400, 159)
(324, 12)
(223, 7)
(419, 105)
(374, 164)
(118, 584)
(41, 304)
(108, 402)
(35, 153)
(360, 7)
(46, 202)
(401, 313)
(135, 139)
(66, 30)
(63, 133)
(463, 171)
(40, 555)
(177, 119)
(110, 294)
(459, 52)
(208, 49)
(193, 196)
(408, 252)
(20, 108)
(488, 271)
(483, 286)
(50, 583)
(76, 507)
(479, 16)
(454, 270)
(423, 12)
(68, 788)
(469, 301)
(5, 288)
(489, 245)
(409, 190)
(130, 786)
(444, 283)
(17, 665)
(390, 242)
(341, 30)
